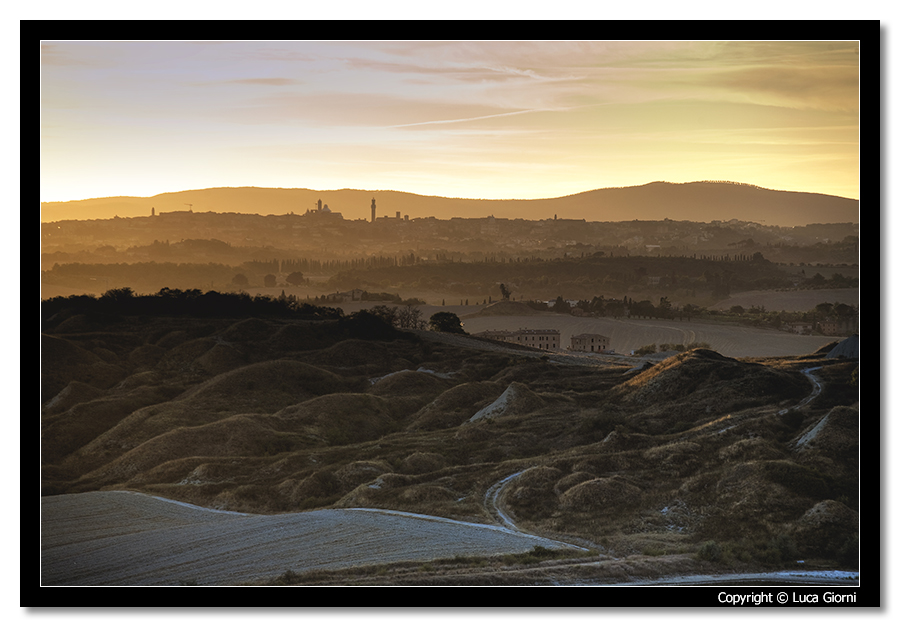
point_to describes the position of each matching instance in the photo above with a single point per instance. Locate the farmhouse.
(840, 326)
(341, 297)
(536, 338)
(803, 328)
(589, 343)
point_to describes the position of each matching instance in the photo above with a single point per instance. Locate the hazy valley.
(283, 364)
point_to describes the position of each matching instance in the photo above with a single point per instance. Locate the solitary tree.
(561, 306)
(446, 322)
(240, 280)
(664, 310)
(843, 310)
(295, 278)
(410, 317)
(505, 292)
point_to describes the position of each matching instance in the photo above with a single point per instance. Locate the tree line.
(625, 307)
(579, 275)
(751, 316)
(330, 266)
(169, 302)
(191, 302)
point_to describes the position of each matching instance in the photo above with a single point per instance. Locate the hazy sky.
(474, 119)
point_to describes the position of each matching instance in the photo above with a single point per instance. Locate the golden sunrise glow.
(460, 119)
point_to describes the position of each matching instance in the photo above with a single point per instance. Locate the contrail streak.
(480, 117)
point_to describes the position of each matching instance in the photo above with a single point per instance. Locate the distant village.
(318, 243)
(323, 230)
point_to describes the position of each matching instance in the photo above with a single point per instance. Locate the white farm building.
(589, 343)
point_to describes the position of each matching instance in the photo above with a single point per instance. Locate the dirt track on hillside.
(128, 538)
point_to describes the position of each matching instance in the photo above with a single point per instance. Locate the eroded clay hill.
(275, 416)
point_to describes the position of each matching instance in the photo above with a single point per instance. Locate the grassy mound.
(181, 357)
(83, 422)
(696, 385)
(145, 357)
(356, 473)
(759, 497)
(571, 480)
(219, 359)
(410, 383)
(303, 336)
(74, 393)
(456, 406)
(344, 418)
(236, 436)
(422, 462)
(532, 494)
(367, 358)
(383, 489)
(265, 387)
(600, 494)
(249, 330)
(835, 435)
(63, 361)
(516, 399)
(828, 529)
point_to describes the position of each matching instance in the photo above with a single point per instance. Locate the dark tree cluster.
(175, 302)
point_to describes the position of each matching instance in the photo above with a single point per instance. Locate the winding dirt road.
(817, 384)
(493, 503)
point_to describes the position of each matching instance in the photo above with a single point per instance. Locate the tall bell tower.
(373, 211)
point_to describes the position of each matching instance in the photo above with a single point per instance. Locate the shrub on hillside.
(603, 493)
(710, 551)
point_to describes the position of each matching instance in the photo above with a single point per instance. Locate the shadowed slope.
(63, 362)
(698, 447)
(698, 384)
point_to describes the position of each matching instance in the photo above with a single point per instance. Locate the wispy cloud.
(834, 88)
(628, 109)
(354, 110)
(275, 82)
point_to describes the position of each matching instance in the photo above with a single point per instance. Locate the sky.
(468, 119)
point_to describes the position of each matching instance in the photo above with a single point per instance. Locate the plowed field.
(128, 538)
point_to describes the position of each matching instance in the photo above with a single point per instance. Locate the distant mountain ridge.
(703, 201)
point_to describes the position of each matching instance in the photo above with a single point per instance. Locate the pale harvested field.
(793, 300)
(128, 538)
(628, 334)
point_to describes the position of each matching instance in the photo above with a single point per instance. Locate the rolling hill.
(698, 201)
(280, 416)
